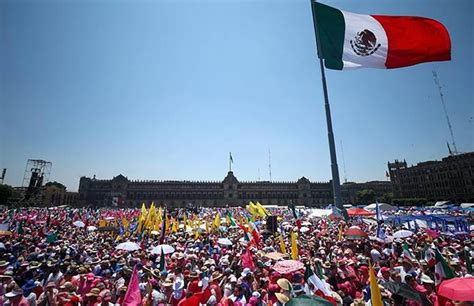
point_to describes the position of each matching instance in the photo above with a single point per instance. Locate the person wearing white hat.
(428, 284)
(15, 297)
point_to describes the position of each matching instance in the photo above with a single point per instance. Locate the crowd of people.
(66, 256)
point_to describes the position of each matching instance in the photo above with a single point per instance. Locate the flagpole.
(336, 185)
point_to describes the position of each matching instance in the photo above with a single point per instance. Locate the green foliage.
(56, 184)
(386, 198)
(6, 192)
(366, 196)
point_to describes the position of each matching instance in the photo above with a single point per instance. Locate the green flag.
(162, 261)
(20, 229)
(468, 261)
(52, 237)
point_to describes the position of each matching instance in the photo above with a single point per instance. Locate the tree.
(366, 196)
(55, 184)
(6, 192)
(387, 198)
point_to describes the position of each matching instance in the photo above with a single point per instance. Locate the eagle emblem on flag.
(364, 43)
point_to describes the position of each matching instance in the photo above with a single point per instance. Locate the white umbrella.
(109, 218)
(167, 249)
(306, 223)
(304, 229)
(91, 228)
(154, 232)
(128, 246)
(78, 223)
(224, 241)
(402, 234)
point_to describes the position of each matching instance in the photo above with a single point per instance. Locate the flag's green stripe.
(331, 28)
(448, 273)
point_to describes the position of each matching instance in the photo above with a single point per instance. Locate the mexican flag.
(230, 220)
(350, 41)
(442, 268)
(311, 278)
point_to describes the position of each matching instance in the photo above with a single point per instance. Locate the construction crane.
(441, 95)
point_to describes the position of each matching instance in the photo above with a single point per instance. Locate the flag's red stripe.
(414, 40)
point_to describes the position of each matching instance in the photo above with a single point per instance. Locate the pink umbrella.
(288, 266)
(432, 233)
(356, 232)
(458, 289)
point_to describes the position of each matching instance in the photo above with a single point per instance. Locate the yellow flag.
(174, 228)
(102, 223)
(282, 244)
(217, 222)
(150, 218)
(339, 236)
(294, 246)
(375, 296)
(184, 221)
(263, 209)
(253, 209)
(144, 211)
(196, 234)
(125, 223)
(167, 222)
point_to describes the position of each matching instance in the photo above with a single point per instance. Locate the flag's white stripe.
(356, 23)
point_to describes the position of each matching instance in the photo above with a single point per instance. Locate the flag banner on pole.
(442, 268)
(375, 295)
(350, 41)
(133, 296)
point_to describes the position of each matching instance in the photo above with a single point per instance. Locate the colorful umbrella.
(304, 229)
(224, 241)
(458, 289)
(78, 224)
(354, 212)
(403, 234)
(274, 255)
(355, 232)
(167, 249)
(288, 266)
(128, 246)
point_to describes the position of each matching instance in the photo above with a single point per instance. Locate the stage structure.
(37, 173)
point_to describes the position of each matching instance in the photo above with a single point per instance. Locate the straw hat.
(216, 275)
(15, 292)
(281, 297)
(284, 284)
(93, 292)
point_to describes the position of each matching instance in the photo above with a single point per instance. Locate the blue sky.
(165, 89)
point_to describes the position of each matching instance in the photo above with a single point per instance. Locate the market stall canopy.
(382, 207)
(355, 212)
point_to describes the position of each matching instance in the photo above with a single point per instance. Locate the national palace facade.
(451, 178)
(230, 191)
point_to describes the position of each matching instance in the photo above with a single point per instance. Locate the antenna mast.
(270, 164)
(343, 164)
(435, 78)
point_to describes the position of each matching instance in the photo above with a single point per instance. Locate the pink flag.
(133, 296)
(247, 260)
